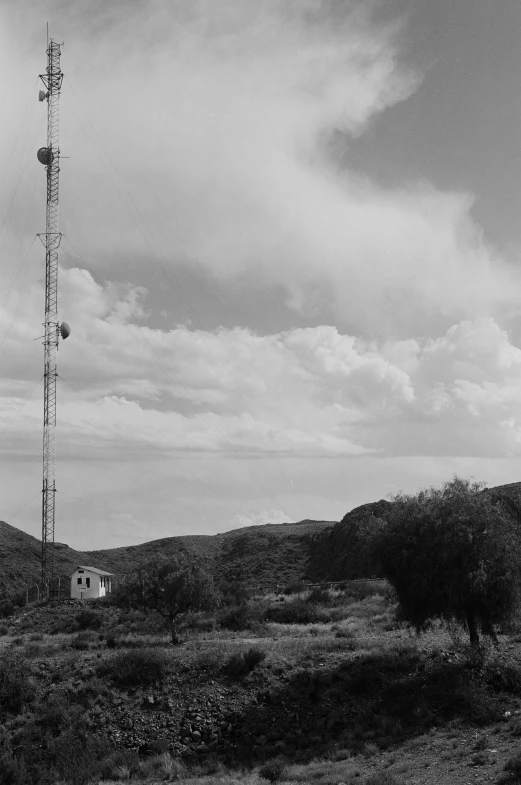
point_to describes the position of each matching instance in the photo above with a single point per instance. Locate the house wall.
(84, 592)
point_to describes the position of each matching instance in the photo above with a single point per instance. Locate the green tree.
(452, 553)
(172, 588)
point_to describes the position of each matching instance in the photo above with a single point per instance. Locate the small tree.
(172, 588)
(451, 553)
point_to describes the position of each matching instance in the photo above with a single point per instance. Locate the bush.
(240, 617)
(295, 587)
(7, 608)
(240, 665)
(83, 640)
(12, 771)
(253, 657)
(297, 612)
(319, 596)
(209, 660)
(135, 668)
(117, 760)
(16, 688)
(88, 620)
(273, 771)
(235, 667)
(234, 593)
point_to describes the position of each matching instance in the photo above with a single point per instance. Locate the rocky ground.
(345, 706)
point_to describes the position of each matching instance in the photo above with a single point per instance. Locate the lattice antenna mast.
(50, 157)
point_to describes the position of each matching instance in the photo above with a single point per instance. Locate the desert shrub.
(135, 667)
(513, 766)
(319, 596)
(118, 759)
(199, 622)
(235, 666)
(16, 687)
(234, 593)
(4, 629)
(240, 617)
(83, 640)
(383, 778)
(32, 650)
(297, 612)
(502, 677)
(253, 657)
(7, 608)
(240, 664)
(88, 619)
(75, 756)
(295, 587)
(209, 660)
(12, 771)
(164, 765)
(55, 714)
(360, 590)
(273, 770)
(54, 746)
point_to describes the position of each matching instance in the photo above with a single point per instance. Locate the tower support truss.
(50, 157)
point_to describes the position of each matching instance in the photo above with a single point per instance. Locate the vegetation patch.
(16, 686)
(135, 668)
(297, 611)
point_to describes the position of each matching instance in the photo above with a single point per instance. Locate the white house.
(88, 582)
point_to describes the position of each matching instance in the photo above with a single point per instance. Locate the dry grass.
(365, 630)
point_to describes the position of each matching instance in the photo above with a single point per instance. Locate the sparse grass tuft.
(383, 778)
(240, 664)
(139, 667)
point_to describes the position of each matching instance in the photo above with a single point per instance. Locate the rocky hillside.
(338, 552)
(270, 555)
(261, 555)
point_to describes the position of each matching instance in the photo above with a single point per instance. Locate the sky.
(291, 259)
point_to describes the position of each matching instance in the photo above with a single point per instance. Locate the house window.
(79, 581)
(87, 581)
(81, 571)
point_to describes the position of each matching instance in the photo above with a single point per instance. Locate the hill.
(268, 555)
(338, 551)
(261, 555)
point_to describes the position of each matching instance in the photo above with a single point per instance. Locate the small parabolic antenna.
(42, 95)
(45, 156)
(65, 330)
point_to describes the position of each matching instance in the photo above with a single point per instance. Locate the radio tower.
(50, 157)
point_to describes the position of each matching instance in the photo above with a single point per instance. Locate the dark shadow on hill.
(381, 699)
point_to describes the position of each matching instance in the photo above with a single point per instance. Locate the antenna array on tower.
(50, 157)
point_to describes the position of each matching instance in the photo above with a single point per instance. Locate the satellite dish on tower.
(45, 156)
(42, 95)
(65, 330)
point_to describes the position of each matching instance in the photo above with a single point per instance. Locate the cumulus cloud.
(200, 134)
(208, 144)
(129, 389)
(227, 165)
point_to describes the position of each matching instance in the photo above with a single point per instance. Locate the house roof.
(93, 569)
